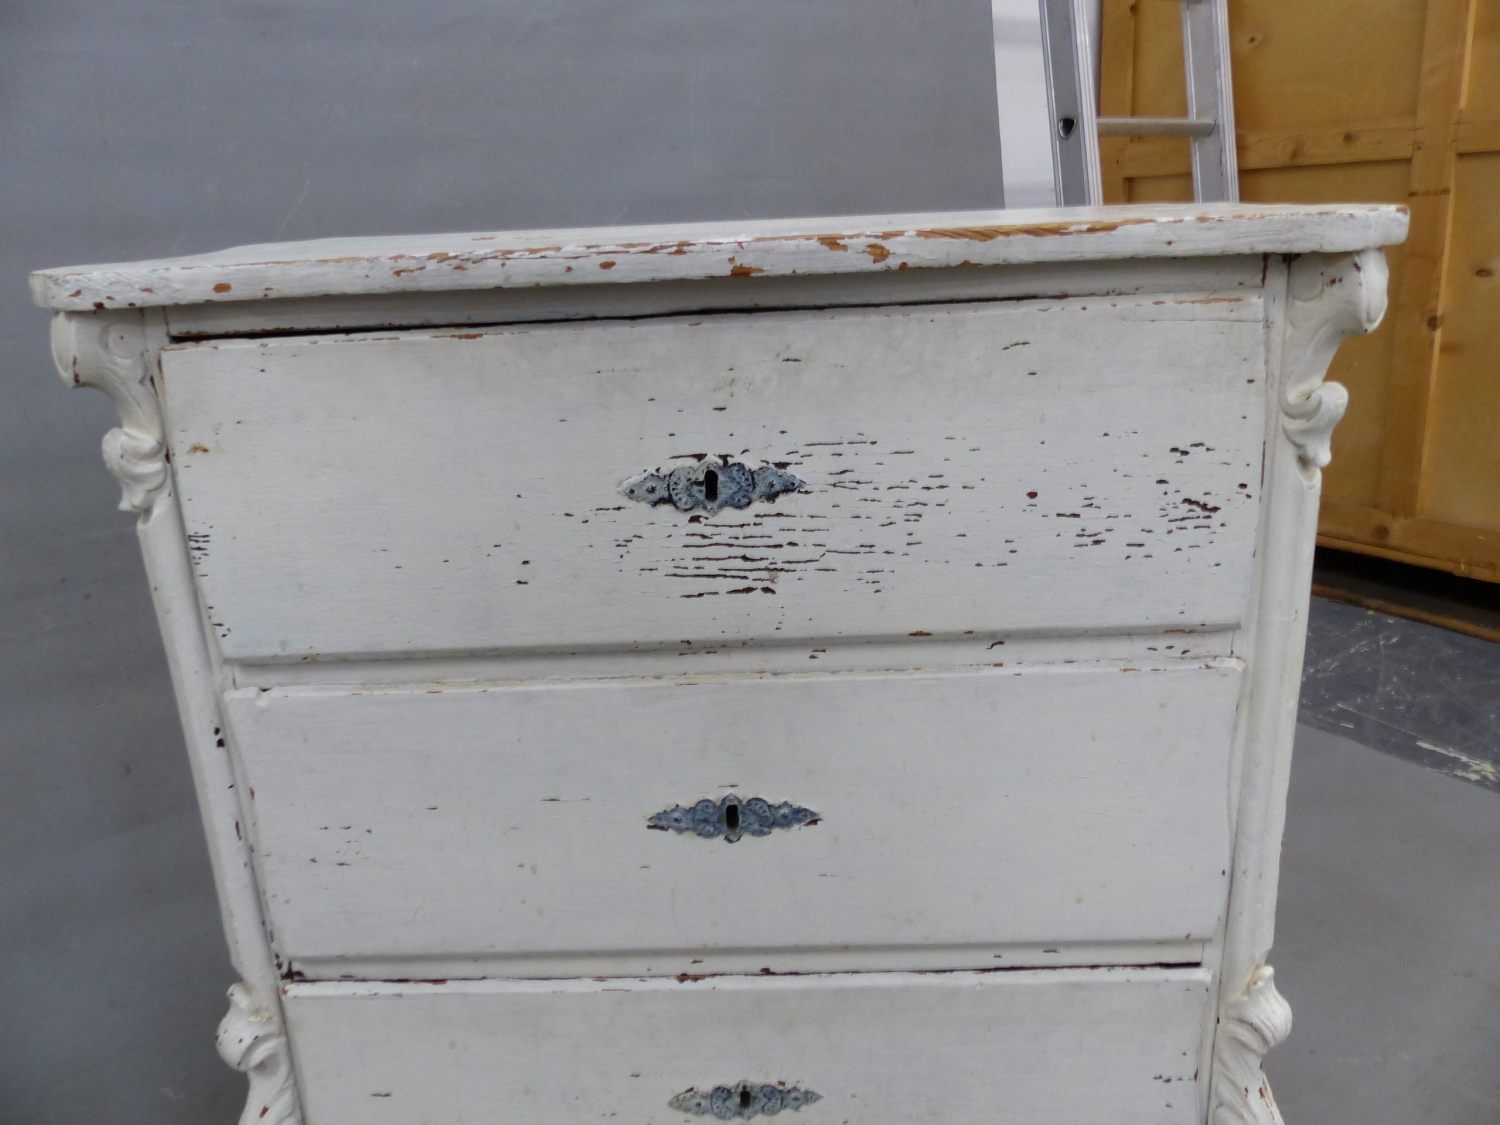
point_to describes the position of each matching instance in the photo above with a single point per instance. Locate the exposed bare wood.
(1281, 148)
(742, 252)
(1415, 418)
(1470, 551)
(1341, 144)
(1416, 311)
(1424, 557)
(1116, 87)
(1461, 471)
(1478, 133)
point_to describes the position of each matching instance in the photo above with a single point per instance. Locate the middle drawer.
(1063, 803)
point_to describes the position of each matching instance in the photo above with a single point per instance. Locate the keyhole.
(710, 485)
(1065, 126)
(732, 818)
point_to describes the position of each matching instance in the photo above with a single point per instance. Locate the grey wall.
(145, 128)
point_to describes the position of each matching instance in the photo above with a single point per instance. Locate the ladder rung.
(1154, 127)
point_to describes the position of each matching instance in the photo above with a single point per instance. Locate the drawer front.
(1069, 803)
(1064, 1047)
(999, 467)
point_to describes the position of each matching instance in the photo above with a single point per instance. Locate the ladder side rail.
(1069, 57)
(1205, 52)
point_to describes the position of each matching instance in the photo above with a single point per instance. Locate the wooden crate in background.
(1377, 101)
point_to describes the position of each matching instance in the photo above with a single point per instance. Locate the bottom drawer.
(1060, 1047)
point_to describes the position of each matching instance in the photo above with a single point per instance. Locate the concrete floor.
(1388, 942)
(1388, 925)
(1401, 687)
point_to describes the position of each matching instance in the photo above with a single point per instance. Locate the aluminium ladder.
(1070, 59)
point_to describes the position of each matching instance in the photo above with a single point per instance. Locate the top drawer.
(990, 467)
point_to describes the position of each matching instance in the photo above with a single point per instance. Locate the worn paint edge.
(858, 244)
(957, 978)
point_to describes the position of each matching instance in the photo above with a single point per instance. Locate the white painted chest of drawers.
(841, 668)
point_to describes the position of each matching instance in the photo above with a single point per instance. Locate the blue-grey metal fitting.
(711, 485)
(731, 818)
(743, 1100)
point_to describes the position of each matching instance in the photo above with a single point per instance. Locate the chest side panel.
(1075, 803)
(998, 467)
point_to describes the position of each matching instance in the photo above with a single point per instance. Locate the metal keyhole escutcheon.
(743, 1100)
(711, 485)
(731, 818)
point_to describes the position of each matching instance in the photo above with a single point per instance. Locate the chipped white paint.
(251, 1039)
(354, 842)
(1071, 1047)
(741, 250)
(1252, 1023)
(871, 287)
(463, 672)
(963, 466)
(116, 352)
(1318, 303)
(109, 352)
(1330, 298)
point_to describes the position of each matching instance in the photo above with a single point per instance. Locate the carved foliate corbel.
(251, 1039)
(1249, 1026)
(109, 350)
(1330, 297)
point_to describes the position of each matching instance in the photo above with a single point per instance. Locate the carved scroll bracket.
(1249, 1026)
(251, 1039)
(1330, 297)
(109, 350)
